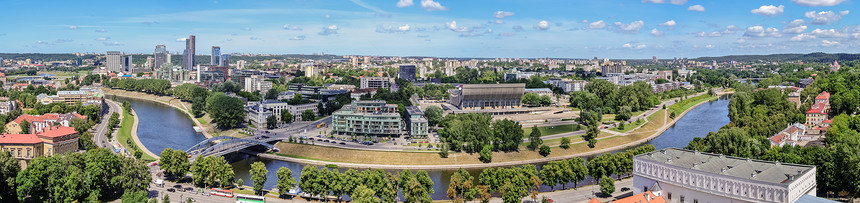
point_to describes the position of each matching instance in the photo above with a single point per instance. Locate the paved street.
(101, 129)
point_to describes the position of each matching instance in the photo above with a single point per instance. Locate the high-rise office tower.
(161, 56)
(225, 60)
(216, 56)
(114, 61)
(127, 64)
(188, 59)
(191, 44)
(188, 54)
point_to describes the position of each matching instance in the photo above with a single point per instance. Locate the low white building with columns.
(696, 177)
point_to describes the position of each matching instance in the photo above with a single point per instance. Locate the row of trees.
(151, 86)
(533, 99)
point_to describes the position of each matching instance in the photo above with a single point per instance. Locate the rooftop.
(759, 170)
(19, 139)
(823, 96)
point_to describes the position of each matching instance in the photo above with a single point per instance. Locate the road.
(101, 130)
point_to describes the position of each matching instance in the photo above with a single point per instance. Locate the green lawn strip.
(683, 105)
(552, 130)
(124, 134)
(628, 127)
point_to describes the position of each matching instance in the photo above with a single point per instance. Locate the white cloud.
(709, 34)
(759, 31)
(113, 44)
(404, 3)
(825, 17)
(817, 2)
(453, 27)
(731, 29)
(100, 30)
(829, 33)
(631, 28)
(696, 7)
(597, 25)
(502, 14)
(709, 46)
(298, 37)
(802, 37)
(794, 27)
(102, 38)
(676, 2)
(181, 39)
(769, 10)
(292, 27)
(828, 43)
(246, 29)
(633, 46)
(542, 25)
(73, 27)
(430, 5)
(669, 24)
(327, 16)
(404, 27)
(255, 38)
(328, 30)
(656, 33)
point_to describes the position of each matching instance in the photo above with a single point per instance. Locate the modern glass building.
(161, 56)
(216, 56)
(371, 118)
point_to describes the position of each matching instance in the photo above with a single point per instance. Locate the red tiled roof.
(29, 118)
(823, 96)
(19, 139)
(827, 121)
(778, 138)
(57, 131)
(817, 108)
(594, 200)
(641, 198)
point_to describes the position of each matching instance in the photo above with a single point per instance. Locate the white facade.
(114, 61)
(701, 177)
(376, 82)
(257, 82)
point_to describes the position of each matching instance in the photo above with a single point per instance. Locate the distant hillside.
(812, 57)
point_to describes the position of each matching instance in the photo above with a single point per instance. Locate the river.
(162, 126)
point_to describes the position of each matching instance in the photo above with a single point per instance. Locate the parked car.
(171, 190)
(342, 143)
(189, 189)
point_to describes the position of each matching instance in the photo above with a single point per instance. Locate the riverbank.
(206, 128)
(128, 131)
(137, 140)
(351, 158)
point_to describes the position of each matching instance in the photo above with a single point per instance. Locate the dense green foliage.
(285, 180)
(433, 114)
(96, 175)
(9, 168)
(607, 185)
(150, 86)
(226, 111)
(544, 150)
(471, 132)
(212, 171)
(174, 163)
(258, 175)
(533, 99)
(608, 98)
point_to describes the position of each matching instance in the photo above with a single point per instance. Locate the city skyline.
(441, 28)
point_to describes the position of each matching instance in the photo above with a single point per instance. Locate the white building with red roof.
(39, 122)
(819, 110)
(791, 135)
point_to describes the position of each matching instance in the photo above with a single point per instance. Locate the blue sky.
(441, 28)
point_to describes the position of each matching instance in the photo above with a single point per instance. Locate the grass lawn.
(125, 134)
(628, 126)
(552, 130)
(683, 105)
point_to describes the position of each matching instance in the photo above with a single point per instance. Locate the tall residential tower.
(188, 53)
(216, 56)
(114, 61)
